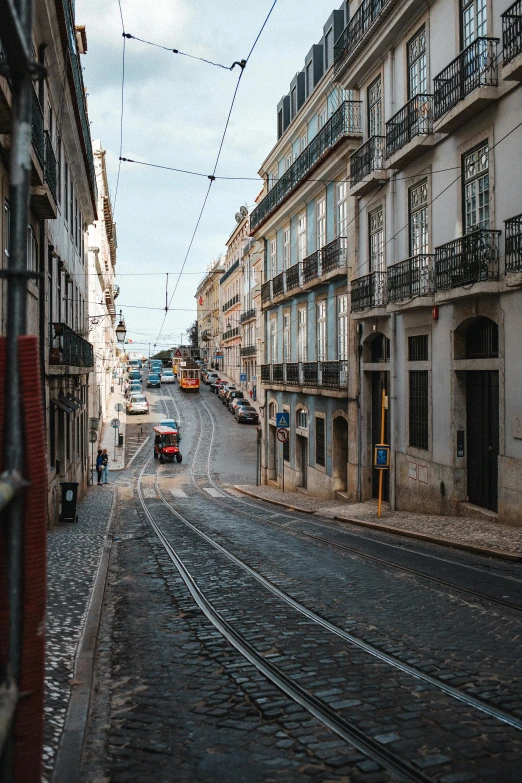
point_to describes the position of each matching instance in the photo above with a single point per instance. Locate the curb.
(471, 548)
(67, 765)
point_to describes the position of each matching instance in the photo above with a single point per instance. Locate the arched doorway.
(340, 453)
(376, 352)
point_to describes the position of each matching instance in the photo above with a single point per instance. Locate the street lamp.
(121, 330)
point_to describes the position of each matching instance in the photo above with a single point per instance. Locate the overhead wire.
(121, 109)
(184, 54)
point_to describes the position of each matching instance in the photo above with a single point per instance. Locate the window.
(301, 335)
(301, 419)
(273, 341)
(482, 339)
(320, 451)
(342, 327)
(66, 191)
(58, 168)
(474, 23)
(272, 179)
(71, 206)
(342, 214)
(376, 231)
(321, 223)
(321, 330)
(375, 108)
(328, 49)
(286, 337)
(380, 349)
(279, 123)
(288, 161)
(273, 257)
(418, 348)
(417, 73)
(309, 79)
(304, 141)
(272, 410)
(32, 250)
(293, 100)
(301, 236)
(323, 116)
(286, 247)
(418, 205)
(476, 189)
(418, 413)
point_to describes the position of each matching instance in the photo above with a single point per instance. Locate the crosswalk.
(178, 493)
(215, 493)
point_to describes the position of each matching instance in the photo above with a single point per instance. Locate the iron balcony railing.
(310, 374)
(293, 277)
(475, 66)
(311, 267)
(512, 31)
(410, 278)
(37, 130)
(248, 315)
(234, 332)
(278, 284)
(229, 272)
(50, 172)
(333, 255)
(361, 22)
(293, 375)
(513, 244)
(266, 373)
(414, 119)
(472, 258)
(369, 291)
(69, 348)
(278, 373)
(328, 374)
(248, 350)
(346, 121)
(368, 158)
(231, 303)
(266, 292)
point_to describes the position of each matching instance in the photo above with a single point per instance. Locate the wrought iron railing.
(333, 255)
(37, 130)
(266, 291)
(368, 158)
(361, 22)
(346, 121)
(229, 272)
(310, 376)
(414, 119)
(69, 348)
(231, 303)
(472, 258)
(278, 284)
(327, 375)
(311, 267)
(513, 244)
(234, 332)
(410, 278)
(265, 372)
(293, 277)
(278, 373)
(292, 373)
(512, 31)
(369, 291)
(475, 66)
(206, 335)
(50, 172)
(248, 350)
(248, 315)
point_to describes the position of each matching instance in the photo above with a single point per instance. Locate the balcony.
(369, 291)
(367, 166)
(410, 278)
(37, 129)
(278, 285)
(466, 86)
(363, 24)
(266, 292)
(293, 374)
(278, 373)
(266, 373)
(69, 350)
(230, 271)
(231, 303)
(249, 315)
(248, 350)
(314, 375)
(293, 277)
(230, 333)
(512, 42)
(334, 257)
(345, 122)
(470, 259)
(408, 133)
(206, 335)
(311, 267)
(513, 244)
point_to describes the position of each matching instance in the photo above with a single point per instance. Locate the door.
(302, 457)
(380, 381)
(482, 414)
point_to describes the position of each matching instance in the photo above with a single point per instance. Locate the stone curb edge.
(472, 548)
(67, 765)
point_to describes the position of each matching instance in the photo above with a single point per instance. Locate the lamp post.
(121, 330)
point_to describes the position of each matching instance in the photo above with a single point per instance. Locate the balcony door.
(375, 108)
(474, 21)
(417, 65)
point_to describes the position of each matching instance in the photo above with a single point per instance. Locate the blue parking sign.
(282, 420)
(242, 376)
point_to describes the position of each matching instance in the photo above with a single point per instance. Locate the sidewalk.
(116, 454)
(470, 535)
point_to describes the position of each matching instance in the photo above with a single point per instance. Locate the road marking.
(149, 493)
(215, 493)
(178, 493)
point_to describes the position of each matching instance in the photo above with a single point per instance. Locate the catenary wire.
(184, 54)
(121, 109)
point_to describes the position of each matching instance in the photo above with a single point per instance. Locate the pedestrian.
(105, 464)
(99, 466)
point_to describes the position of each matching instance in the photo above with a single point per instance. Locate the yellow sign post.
(381, 459)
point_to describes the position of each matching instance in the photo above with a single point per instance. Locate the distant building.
(208, 315)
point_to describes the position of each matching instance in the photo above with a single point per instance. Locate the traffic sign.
(115, 423)
(93, 423)
(282, 435)
(118, 407)
(178, 353)
(242, 376)
(282, 420)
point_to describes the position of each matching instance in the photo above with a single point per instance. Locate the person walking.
(99, 466)
(105, 464)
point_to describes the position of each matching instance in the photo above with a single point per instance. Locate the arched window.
(482, 339)
(301, 418)
(32, 250)
(272, 410)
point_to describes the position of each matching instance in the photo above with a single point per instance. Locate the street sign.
(93, 437)
(282, 435)
(242, 376)
(115, 423)
(178, 353)
(118, 407)
(93, 423)
(381, 458)
(283, 420)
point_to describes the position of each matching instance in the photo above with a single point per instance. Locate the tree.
(193, 335)
(163, 355)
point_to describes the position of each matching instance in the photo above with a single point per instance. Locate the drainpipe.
(392, 407)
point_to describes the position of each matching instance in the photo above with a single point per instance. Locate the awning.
(63, 406)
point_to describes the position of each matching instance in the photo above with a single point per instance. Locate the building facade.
(250, 317)
(231, 296)
(209, 317)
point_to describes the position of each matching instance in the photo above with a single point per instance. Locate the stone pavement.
(466, 533)
(116, 454)
(73, 556)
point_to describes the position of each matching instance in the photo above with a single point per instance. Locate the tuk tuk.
(166, 445)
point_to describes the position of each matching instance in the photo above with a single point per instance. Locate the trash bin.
(69, 499)
(120, 439)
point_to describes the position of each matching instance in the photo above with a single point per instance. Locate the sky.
(174, 114)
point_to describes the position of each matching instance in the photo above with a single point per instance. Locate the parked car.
(167, 376)
(134, 375)
(153, 381)
(246, 414)
(134, 387)
(237, 402)
(210, 377)
(137, 403)
(234, 395)
(216, 385)
(228, 387)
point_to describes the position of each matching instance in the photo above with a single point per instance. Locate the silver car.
(167, 376)
(137, 404)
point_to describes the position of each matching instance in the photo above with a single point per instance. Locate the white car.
(137, 404)
(167, 376)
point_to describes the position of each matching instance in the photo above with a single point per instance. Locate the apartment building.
(63, 202)
(231, 296)
(251, 316)
(208, 315)
(436, 280)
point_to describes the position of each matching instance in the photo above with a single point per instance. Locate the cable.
(121, 112)
(241, 63)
